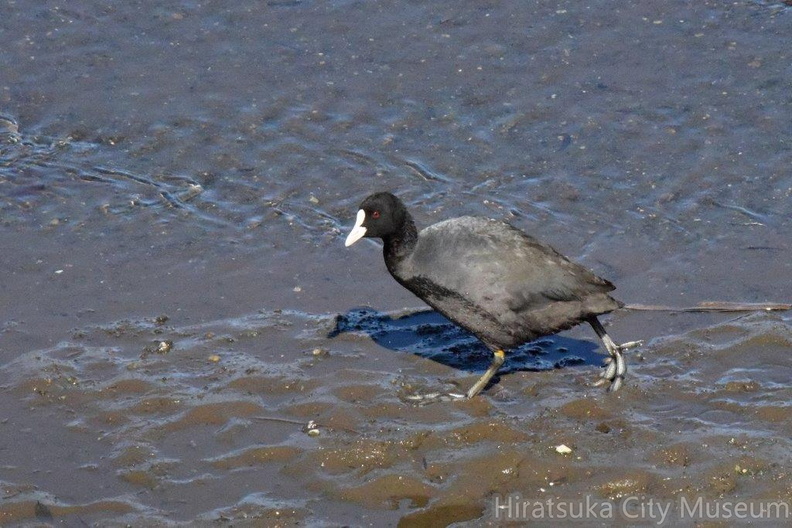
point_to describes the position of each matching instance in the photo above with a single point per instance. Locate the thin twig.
(713, 306)
(282, 420)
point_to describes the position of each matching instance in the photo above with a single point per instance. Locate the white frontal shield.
(358, 231)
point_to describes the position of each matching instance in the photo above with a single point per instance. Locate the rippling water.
(180, 317)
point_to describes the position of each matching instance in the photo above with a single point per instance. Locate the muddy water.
(177, 306)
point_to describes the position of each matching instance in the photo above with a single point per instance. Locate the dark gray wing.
(497, 267)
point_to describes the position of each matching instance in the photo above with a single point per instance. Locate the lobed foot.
(615, 364)
(434, 397)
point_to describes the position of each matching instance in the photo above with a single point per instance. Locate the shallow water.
(185, 174)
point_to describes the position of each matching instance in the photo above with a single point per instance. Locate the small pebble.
(313, 429)
(563, 449)
(214, 358)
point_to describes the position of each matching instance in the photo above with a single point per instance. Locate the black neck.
(401, 243)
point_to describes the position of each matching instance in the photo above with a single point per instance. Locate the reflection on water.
(175, 185)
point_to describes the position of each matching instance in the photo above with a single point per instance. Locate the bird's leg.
(498, 357)
(615, 365)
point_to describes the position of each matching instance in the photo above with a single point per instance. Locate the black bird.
(502, 285)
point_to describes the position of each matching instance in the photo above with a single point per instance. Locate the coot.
(502, 285)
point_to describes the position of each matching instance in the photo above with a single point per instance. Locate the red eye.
(375, 215)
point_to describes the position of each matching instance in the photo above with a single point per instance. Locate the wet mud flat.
(222, 425)
(184, 340)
